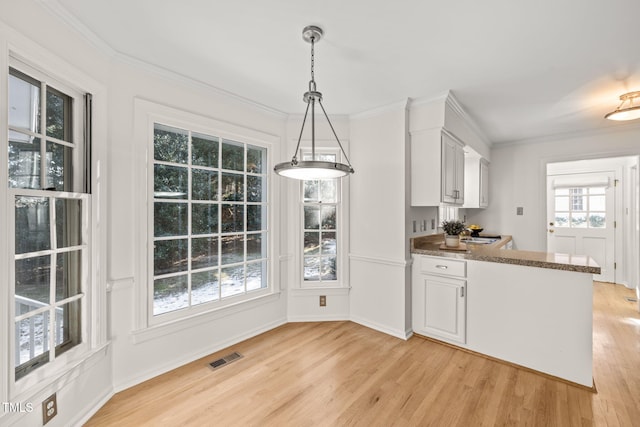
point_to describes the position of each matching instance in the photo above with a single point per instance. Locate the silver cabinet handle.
(462, 292)
(441, 267)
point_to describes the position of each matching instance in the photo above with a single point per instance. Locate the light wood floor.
(341, 373)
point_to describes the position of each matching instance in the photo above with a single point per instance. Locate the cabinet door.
(484, 183)
(459, 174)
(441, 311)
(449, 160)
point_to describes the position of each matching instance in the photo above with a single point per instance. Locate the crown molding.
(455, 105)
(606, 130)
(399, 105)
(54, 7)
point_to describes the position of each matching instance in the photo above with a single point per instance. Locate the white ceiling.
(521, 69)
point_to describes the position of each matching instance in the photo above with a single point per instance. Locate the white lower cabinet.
(439, 298)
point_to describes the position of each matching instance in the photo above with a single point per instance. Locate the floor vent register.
(224, 361)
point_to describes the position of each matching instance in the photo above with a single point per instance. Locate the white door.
(580, 218)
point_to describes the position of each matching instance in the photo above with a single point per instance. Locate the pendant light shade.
(629, 108)
(314, 168)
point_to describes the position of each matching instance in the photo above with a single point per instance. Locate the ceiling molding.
(58, 10)
(616, 128)
(455, 105)
(400, 105)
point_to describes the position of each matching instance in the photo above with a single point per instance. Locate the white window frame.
(39, 64)
(342, 229)
(147, 114)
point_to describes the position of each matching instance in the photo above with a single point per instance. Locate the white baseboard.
(318, 318)
(81, 419)
(197, 355)
(398, 333)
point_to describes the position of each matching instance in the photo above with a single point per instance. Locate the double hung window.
(320, 213)
(49, 202)
(209, 227)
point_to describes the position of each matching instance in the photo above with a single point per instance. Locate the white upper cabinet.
(437, 168)
(476, 181)
(441, 131)
(452, 170)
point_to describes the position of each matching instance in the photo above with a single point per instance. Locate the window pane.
(311, 217)
(329, 190)
(58, 167)
(597, 190)
(310, 191)
(24, 161)
(204, 287)
(311, 268)
(68, 222)
(204, 185)
(256, 159)
(170, 294)
(311, 243)
(232, 187)
(68, 274)
(328, 217)
(170, 182)
(232, 218)
(32, 335)
(32, 224)
(256, 246)
(24, 104)
(578, 220)
(562, 203)
(255, 189)
(170, 219)
(597, 220)
(328, 268)
(562, 191)
(170, 256)
(204, 218)
(204, 150)
(32, 287)
(204, 252)
(329, 243)
(597, 203)
(170, 144)
(232, 155)
(232, 280)
(58, 115)
(562, 219)
(256, 275)
(578, 203)
(256, 217)
(68, 326)
(232, 249)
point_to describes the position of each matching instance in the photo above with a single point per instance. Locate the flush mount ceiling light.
(313, 169)
(628, 109)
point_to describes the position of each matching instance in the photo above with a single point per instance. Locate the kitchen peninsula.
(532, 309)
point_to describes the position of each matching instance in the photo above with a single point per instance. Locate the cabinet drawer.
(443, 266)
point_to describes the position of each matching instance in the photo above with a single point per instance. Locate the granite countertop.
(430, 245)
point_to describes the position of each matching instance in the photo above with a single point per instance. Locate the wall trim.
(72, 22)
(119, 284)
(403, 335)
(396, 106)
(164, 329)
(81, 419)
(378, 260)
(305, 292)
(132, 381)
(318, 318)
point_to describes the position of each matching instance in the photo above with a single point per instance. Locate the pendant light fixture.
(313, 169)
(628, 109)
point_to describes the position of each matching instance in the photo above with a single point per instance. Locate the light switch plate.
(519, 210)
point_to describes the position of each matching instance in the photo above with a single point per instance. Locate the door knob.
(551, 231)
(551, 224)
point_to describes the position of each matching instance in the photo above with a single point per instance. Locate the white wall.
(518, 178)
(380, 285)
(140, 353)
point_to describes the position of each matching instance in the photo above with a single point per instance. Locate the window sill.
(161, 330)
(51, 379)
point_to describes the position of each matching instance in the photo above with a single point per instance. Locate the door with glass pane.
(580, 218)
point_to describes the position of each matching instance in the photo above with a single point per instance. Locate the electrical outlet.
(49, 409)
(520, 210)
(433, 224)
(323, 300)
(414, 226)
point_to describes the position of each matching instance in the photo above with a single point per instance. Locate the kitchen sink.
(482, 240)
